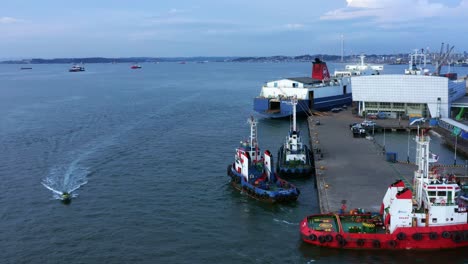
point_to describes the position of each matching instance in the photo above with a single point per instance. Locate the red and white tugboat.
(430, 216)
(254, 175)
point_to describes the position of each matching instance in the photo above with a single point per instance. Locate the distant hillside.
(114, 60)
(279, 58)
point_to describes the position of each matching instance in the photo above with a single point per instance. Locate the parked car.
(368, 123)
(352, 124)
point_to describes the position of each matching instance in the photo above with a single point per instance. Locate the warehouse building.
(406, 96)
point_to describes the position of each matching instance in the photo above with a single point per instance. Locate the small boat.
(295, 158)
(135, 66)
(428, 215)
(254, 174)
(26, 68)
(77, 68)
(66, 197)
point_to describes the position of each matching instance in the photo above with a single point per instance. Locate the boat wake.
(66, 179)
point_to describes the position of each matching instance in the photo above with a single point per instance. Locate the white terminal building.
(415, 93)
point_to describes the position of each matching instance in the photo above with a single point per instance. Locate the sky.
(186, 28)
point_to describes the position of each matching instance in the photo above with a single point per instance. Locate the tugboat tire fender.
(446, 234)
(342, 242)
(392, 243)
(360, 242)
(338, 237)
(328, 238)
(376, 243)
(401, 236)
(433, 236)
(321, 239)
(457, 237)
(313, 237)
(417, 236)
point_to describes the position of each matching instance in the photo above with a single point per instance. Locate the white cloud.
(9, 20)
(388, 12)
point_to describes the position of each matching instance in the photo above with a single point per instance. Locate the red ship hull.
(433, 237)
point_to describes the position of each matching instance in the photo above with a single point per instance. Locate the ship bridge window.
(275, 84)
(295, 85)
(441, 193)
(431, 193)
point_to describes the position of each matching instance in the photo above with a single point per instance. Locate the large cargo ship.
(318, 92)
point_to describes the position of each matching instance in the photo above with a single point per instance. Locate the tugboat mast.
(253, 138)
(294, 103)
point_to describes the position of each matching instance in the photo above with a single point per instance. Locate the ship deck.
(349, 223)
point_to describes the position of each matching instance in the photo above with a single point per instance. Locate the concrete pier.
(353, 170)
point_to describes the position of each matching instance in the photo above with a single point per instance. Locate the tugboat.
(135, 66)
(254, 175)
(431, 215)
(294, 157)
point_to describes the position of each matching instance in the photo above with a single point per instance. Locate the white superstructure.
(301, 86)
(360, 69)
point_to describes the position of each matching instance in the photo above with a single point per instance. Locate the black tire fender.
(446, 234)
(360, 242)
(321, 239)
(376, 243)
(401, 236)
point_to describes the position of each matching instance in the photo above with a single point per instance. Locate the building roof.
(304, 80)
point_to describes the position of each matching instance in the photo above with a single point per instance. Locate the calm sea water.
(148, 150)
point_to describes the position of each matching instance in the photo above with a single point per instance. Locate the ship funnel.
(320, 70)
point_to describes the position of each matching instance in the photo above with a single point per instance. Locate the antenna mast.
(342, 47)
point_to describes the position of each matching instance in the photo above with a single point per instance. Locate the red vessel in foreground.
(431, 215)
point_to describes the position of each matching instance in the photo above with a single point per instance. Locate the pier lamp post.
(407, 154)
(466, 166)
(384, 139)
(455, 154)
